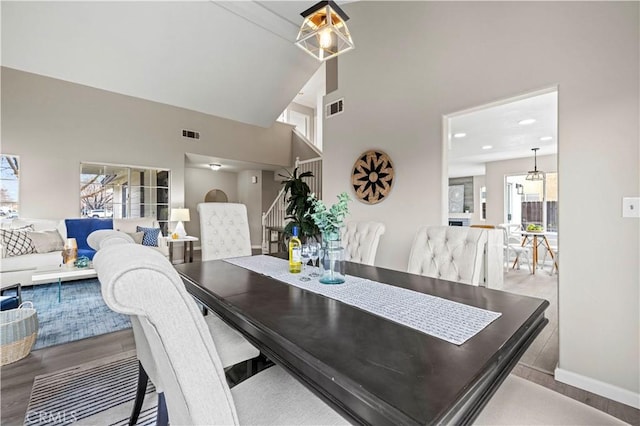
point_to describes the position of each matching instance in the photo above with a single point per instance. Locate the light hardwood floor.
(17, 379)
(544, 351)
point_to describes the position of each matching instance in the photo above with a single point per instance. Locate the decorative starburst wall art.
(372, 176)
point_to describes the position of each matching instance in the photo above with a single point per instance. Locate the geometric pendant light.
(324, 33)
(535, 174)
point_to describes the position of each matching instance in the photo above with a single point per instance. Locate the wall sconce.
(519, 189)
(215, 166)
(324, 33)
(254, 179)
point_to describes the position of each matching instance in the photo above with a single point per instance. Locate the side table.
(188, 246)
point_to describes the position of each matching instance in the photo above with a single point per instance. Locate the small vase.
(332, 260)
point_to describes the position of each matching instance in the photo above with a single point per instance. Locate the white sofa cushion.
(34, 260)
(46, 241)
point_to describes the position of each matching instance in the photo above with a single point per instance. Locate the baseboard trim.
(606, 390)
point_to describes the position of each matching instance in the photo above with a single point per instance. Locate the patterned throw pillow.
(17, 241)
(150, 237)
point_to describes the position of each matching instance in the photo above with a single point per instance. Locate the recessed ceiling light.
(459, 135)
(487, 147)
(527, 121)
(215, 166)
(546, 138)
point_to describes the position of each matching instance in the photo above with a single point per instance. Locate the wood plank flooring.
(17, 378)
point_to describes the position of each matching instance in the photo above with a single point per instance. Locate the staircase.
(273, 220)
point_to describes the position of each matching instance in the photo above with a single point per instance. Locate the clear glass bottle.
(295, 258)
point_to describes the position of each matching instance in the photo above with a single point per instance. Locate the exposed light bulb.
(325, 39)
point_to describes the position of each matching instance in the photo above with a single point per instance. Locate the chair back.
(360, 241)
(103, 237)
(453, 253)
(224, 230)
(143, 283)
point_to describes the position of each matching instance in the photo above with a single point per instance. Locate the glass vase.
(332, 260)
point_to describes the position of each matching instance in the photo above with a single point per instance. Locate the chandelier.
(535, 174)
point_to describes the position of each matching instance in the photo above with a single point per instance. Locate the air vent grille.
(334, 108)
(190, 134)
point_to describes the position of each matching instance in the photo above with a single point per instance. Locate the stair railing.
(273, 220)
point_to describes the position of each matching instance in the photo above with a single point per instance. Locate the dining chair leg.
(143, 378)
(162, 416)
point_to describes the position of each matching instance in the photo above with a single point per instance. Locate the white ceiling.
(497, 126)
(232, 59)
(235, 60)
(198, 161)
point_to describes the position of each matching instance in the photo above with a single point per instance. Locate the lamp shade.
(179, 215)
(324, 33)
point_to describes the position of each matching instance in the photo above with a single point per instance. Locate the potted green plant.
(330, 222)
(298, 205)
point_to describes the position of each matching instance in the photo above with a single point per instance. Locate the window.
(534, 202)
(9, 186)
(121, 192)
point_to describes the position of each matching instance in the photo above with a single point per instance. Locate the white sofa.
(12, 268)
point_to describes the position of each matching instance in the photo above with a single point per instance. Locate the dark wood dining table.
(370, 369)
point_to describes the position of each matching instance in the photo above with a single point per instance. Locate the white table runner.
(445, 319)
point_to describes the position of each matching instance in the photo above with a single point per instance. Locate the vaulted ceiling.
(235, 60)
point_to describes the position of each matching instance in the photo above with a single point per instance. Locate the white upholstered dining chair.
(143, 284)
(224, 230)
(452, 253)
(232, 347)
(360, 241)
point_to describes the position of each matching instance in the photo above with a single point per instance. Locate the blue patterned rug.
(81, 312)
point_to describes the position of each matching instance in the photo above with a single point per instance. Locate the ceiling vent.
(190, 134)
(334, 108)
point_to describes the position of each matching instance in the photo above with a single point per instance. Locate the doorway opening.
(490, 149)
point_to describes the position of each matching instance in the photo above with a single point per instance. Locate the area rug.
(100, 392)
(81, 313)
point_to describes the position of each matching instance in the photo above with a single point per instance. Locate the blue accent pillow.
(80, 230)
(150, 237)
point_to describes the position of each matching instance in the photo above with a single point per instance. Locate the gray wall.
(55, 125)
(250, 194)
(300, 149)
(270, 188)
(447, 57)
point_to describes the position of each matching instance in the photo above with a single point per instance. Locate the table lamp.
(180, 215)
